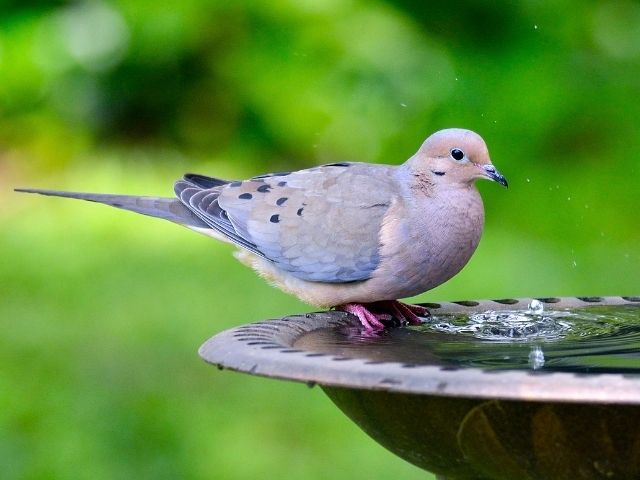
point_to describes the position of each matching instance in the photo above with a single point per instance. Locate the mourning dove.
(353, 236)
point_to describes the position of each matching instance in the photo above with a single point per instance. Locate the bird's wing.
(320, 224)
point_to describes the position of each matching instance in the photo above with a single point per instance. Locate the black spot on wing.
(281, 201)
(375, 205)
(299, 212)
(275, 218)
(264, 188)
(245, 196)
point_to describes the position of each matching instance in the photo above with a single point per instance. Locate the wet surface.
(598, 339)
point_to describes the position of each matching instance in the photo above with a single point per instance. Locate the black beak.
(495, 175)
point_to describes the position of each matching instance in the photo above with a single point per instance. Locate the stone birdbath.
(512, 389)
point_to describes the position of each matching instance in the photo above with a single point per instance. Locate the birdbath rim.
(266, 348)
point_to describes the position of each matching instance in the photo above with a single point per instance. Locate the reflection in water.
(594, 339)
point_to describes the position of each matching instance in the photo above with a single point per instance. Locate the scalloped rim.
(265, 348)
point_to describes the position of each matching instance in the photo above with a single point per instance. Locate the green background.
(102, 311)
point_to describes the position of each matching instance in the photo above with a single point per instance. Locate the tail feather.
(160, 207)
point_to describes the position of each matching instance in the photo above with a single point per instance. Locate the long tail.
(166, 208)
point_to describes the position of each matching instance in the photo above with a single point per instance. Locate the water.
(597, 339)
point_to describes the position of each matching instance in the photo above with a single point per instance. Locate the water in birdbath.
(597, 339)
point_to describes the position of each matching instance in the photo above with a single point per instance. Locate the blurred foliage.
(102, 311)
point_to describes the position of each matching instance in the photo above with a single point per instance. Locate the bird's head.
(454, 156)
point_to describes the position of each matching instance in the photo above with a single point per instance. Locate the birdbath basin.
(485, 390)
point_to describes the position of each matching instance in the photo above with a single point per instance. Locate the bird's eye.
(457, 154)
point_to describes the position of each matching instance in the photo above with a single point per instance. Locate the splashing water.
(509, 325)
(536, 307)
(595, 339)
(536, 357)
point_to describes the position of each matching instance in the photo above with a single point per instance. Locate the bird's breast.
(431, 242)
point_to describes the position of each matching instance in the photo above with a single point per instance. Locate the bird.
(352, 236)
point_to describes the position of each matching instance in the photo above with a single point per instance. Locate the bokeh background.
(102, 311)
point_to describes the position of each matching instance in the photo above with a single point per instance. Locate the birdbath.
(485, 390)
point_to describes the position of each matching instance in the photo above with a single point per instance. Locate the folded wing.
(320, 224)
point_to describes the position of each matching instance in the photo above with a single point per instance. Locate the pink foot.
(371, 315)
(403, 311)
(368, 319)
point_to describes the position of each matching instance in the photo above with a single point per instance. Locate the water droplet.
(528, 180)
(536, 307)
(535, 27)
(568, 198)
(575, 264)
(536, 357)
(403, 105)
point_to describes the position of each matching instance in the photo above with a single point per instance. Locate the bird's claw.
(372, 315)
(368, 319)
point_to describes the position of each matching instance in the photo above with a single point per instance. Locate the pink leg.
(369, 320)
